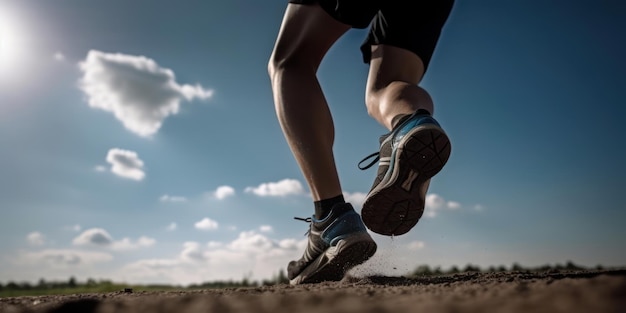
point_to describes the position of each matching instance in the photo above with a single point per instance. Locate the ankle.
(400, 118)
(324, 206)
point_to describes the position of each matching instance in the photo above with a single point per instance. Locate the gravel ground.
(565, 291)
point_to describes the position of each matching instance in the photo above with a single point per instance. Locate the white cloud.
(250, 252)
(172, 226)
(206, 224)
(214, 244)
(222, 192)
(453, 205)
(93, 236)
(62, 257)
(125, 163)
(139, 92)
(292, 244)
(168, 198)
(479, 208)
(36, 238)
(100, 168)
(436, 203)
(251, 242)
(59, 57)
(144, 241)
(192, 252)
(416, 245)
(355, 198)
(99, 237)
(281, 188)
(75, 228)
(266, 229)
(128, 244)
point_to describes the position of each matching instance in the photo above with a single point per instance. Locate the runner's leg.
(306, 34)
(392, 84)
(399, 47)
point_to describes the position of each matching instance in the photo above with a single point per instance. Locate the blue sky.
(140, 144)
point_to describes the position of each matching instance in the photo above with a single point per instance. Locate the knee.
(273, 66)
(278, 64)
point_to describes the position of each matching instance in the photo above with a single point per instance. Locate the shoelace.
(308, 220)
(375, 155)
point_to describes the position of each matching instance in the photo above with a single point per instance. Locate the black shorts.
(411, 25)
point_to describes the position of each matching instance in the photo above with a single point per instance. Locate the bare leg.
(306, 34)
(396, 202)
(392, 84)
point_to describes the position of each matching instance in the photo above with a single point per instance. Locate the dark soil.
(552, 291)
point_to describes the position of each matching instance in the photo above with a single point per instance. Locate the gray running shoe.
(410, 155)
(336, 244)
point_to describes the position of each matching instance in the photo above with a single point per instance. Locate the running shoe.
(410, 155)
(337, 243)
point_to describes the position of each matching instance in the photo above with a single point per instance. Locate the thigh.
(411, 25)
(356, 13)
(306, 34)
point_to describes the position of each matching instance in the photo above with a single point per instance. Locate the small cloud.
(172, 226)
(453, 205)
(250, 241)
(36, 238)
(146, 241)
(281, 188)
(192, 251)
(59, 57)
(266, 229)
(436, 203)
(100, 168)
(93, 236)
(63, 257)
(135, 89)
(101, 238)
(128, 244)
(75, 228)
(125, 163)
(416, 245)
(479, 208)
(168, 198)
(223, 192)
(206, 224)
(355, 198)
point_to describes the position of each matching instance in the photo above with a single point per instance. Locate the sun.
(10, 47)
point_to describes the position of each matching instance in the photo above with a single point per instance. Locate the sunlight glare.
(9, 43)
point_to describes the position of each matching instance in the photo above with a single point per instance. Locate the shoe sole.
(333, 264)
(396, 205)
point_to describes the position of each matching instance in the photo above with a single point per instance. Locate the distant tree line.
(102, 285)
(425, 270)
(43, 284)
(279, 278)
(107, 285)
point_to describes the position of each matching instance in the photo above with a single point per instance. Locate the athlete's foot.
(337, 243)
(410, 155)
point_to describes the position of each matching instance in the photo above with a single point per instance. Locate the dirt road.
(580, 291)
